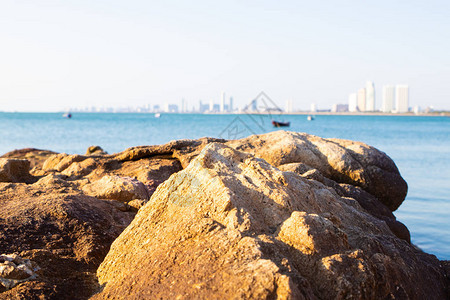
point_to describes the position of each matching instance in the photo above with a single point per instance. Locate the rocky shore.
(282, 215)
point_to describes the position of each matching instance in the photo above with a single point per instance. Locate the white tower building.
(288, 106)
(352, 102)
(388, 98)
(370, 96)
(362, 99)
(402, 98)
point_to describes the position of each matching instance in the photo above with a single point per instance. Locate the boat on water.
(310, 118)
(67, 115)
(280, 124)
(157, 115)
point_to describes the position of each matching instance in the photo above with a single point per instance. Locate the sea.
(419, 145)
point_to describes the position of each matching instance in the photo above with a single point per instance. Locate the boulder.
(53, 225)
(233, 226)
(118, 188)
(95, 150)
(367, 201)
(340, 160)
(80, 169)
(61, 161)
(14, 170)
(36, 157)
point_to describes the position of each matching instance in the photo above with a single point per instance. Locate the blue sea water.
(420, 146)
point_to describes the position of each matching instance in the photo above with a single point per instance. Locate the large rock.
(340, 160)
(36, 157)
(66, 233)
(61, 161)
(232, 226)
(367, 201)
(118, 188)
(14, 170)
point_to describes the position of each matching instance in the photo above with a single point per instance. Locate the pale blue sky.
(60, 54)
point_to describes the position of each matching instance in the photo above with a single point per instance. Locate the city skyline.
(57, 55)
(395, 99)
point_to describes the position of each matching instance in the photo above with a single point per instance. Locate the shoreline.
(306, 113)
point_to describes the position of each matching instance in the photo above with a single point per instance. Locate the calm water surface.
(420, 146)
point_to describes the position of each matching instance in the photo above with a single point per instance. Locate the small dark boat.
(67, 115)
(280, 124)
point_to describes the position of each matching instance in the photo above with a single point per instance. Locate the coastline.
(324, 113)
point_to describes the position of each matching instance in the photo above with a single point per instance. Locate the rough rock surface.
(229, 225)
(232, 226)
(14, 170)
(367, 201)
(37, 157)
(64, 232)
(14, 270)
(118, 188)
(340, 160)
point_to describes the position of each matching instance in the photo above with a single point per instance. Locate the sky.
(55, 55)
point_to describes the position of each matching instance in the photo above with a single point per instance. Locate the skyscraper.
(362, 99)
(402, 98)
(288, 106)
(230, 108)
(352, 103)
(388, 98)
(370, 96)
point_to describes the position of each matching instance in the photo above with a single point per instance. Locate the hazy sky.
(60, 54)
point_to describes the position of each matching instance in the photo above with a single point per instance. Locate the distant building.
(339, 108)
(370, 96)
(388, 98)
(171, 108)
(313, 107)
(362, 99)
(352, 102)
(211, 105)
(231, 104)
(222, 103)
(402, 98)
(203, 107)
(289, 106)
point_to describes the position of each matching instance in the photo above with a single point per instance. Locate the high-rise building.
(402, 98)
(231, 104)
(388, 98)
(362, 99)
(370, 96)
(352, 102)
(313, 107)
(222, 102)
(211, 105)
(289, 106)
